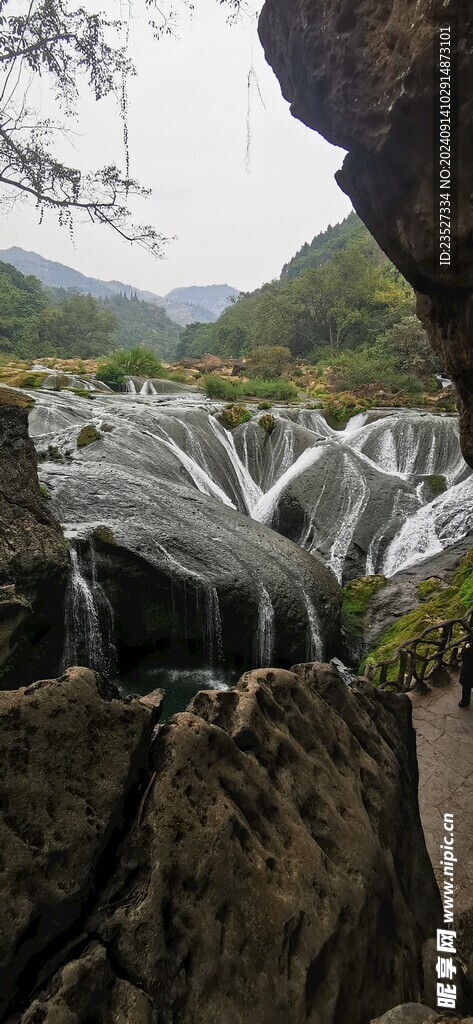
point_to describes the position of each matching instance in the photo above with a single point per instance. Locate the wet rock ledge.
(33, 554)
(258, 859)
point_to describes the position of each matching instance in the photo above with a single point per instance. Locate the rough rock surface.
(70, 756)
(408, 1013)
(361, 75)
(278, 870)
(32, 550)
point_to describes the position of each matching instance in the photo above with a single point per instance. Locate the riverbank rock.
(361, 75)
(279, 869)
(33, 555)
(71, 757)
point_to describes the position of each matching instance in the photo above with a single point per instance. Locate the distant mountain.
(213, 298)
(182, 305)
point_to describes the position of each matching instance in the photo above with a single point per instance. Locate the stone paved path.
(445, 755)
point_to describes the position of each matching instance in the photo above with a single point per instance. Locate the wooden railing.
(415, 661)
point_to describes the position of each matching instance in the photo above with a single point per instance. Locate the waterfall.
(212, 627)
(148, 388)
(432, 528)
(265, 630)
(353, 502)
(88, 619)
(263, 511)
(130, 387)
(315, 648)
(250, 491)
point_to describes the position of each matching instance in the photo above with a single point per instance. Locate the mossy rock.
(452, 602)
(104, 534)
(10, 397)
(81, 392)
(88, 435)
(357, 594)
(436, 483)
(267, 422)
(426, 588)
(264, 405)
(234, 415)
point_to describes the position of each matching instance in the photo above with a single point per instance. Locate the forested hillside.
(40, 321)
(339, 301)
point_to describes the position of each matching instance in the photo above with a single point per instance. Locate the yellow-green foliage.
(451, 603)
(267, 422)
(88, 435)
(104, 534)
(233, 415)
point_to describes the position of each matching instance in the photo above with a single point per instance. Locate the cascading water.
(88, 618)
(315, 647)
(361, 499)
(130, 387)
(265, 629)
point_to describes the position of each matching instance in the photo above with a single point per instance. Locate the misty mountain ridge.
(202, 304)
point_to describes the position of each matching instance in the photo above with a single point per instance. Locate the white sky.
(188, 137)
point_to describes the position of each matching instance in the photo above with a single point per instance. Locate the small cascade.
(432, 528)
(148, 388)
(264, 510)
(354, 498)
(130, 386)
(88, 619)
(265, 630)
(250, 491)
(212, 627)
(315, 647)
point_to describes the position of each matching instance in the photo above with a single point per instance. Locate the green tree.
(269, 361)
(79, 327)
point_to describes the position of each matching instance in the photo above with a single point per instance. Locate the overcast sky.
(188, 140)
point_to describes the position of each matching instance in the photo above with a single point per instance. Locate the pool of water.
(180, 685)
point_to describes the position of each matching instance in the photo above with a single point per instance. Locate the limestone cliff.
(33, 555)
(361, 74)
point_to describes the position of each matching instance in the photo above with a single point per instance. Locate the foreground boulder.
(361, 75)
(271, 868)
(71, 755)
(278, 870)
(33, 554)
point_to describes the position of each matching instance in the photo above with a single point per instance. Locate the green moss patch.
(426, 588)
(356, 597)
(88, 435)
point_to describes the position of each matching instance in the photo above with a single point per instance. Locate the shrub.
(269, 361)
(129, 362)
(267, 422)
(233, 415)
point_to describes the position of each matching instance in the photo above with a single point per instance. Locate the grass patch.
(232, 390)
